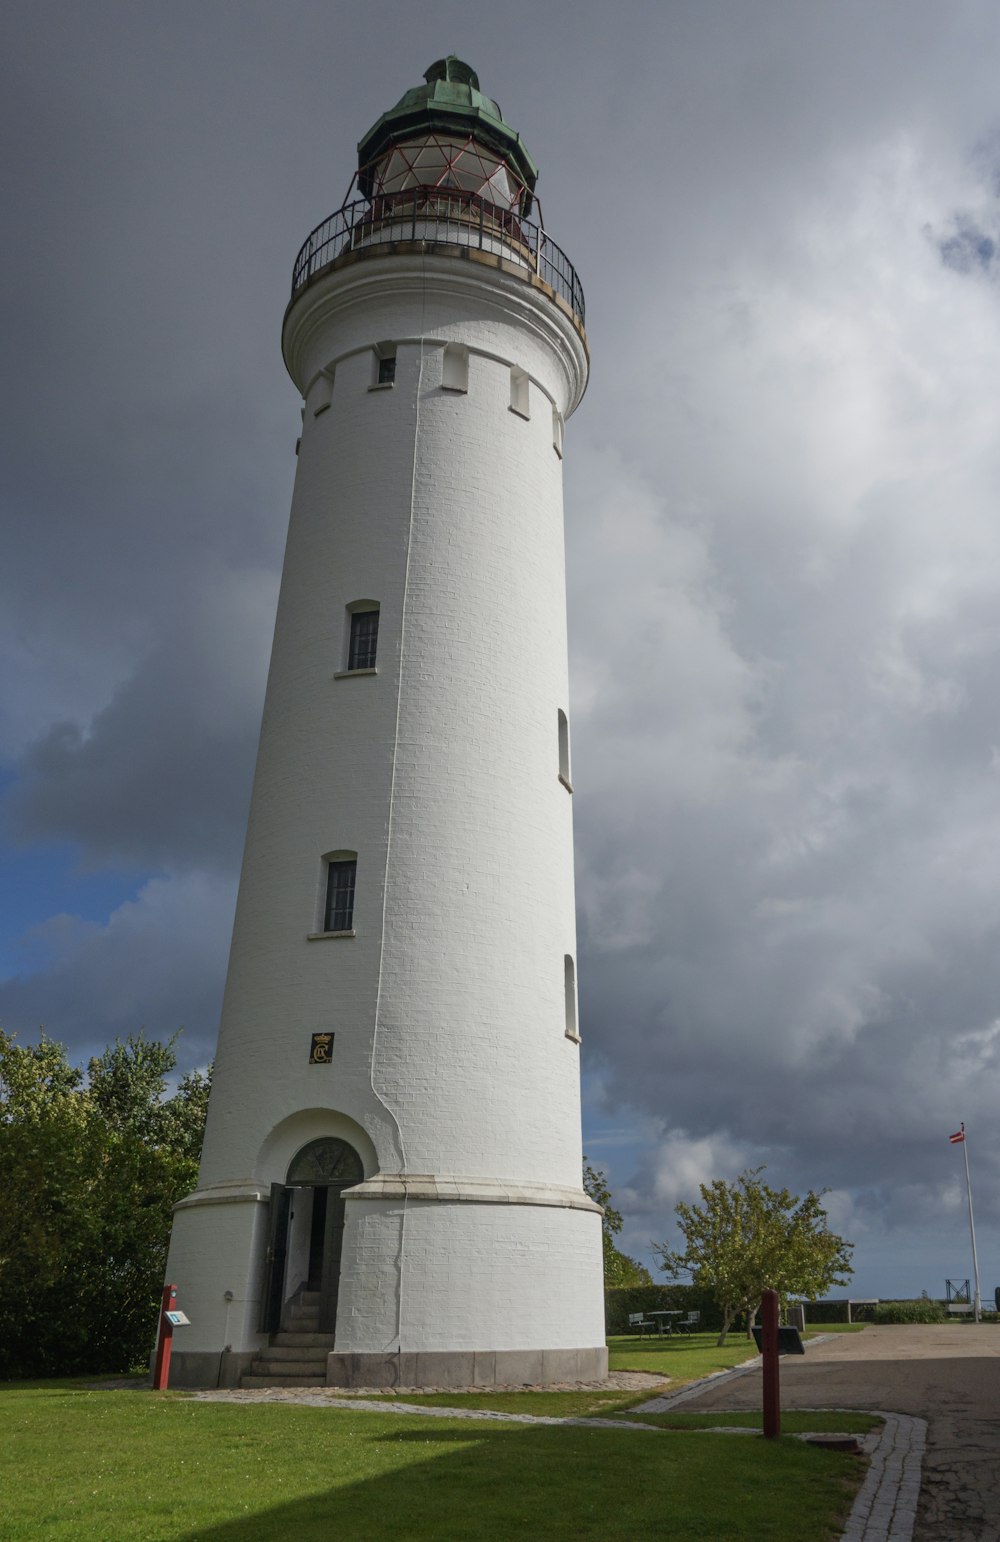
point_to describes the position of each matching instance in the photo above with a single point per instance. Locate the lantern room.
(446, 141)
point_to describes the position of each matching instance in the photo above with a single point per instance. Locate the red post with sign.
(164, 1340)
(769, 1352)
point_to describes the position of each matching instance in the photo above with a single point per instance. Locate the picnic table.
(665, 1327)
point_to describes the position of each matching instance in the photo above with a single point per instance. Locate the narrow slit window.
(519, 402)
(363, 645)
(340, 881)
(572, 1032)
(557, 432)
(385, 364)
(455, 368)
(564, 750)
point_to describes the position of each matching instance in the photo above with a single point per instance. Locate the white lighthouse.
(390, 1189)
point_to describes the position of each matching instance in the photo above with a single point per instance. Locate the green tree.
(746, 1237)
(619, 1268)
(91, 1169)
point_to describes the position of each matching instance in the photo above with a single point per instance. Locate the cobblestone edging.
(886, 1507)
(668, 1401)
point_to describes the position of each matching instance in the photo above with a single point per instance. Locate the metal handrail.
(438, 217)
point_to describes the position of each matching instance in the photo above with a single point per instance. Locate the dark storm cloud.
(781, 505)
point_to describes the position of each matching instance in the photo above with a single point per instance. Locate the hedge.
(619, 1300)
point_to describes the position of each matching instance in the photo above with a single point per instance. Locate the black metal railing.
(439, 217)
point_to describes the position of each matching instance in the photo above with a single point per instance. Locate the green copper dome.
(449, 104)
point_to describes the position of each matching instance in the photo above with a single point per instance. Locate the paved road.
(949, 1376)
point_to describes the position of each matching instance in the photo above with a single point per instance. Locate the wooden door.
(277, 1253)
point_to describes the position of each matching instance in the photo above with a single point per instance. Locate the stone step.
(266, 1366)
(309, 1299)
(285, 1352)
(262, 1382)
(296, 1340)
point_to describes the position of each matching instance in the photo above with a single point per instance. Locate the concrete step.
(251, 1382)
(293, 1339)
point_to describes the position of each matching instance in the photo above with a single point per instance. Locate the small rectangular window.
(339, 913)
(386, 369)
(364, 639)
(557, 432)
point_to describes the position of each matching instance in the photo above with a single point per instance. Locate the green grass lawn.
(685, 1357)
(97, 1465)
(682, 1357)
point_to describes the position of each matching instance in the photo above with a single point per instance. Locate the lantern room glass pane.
(440, 160)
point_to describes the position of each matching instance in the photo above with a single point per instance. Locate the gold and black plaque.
(321, 1049)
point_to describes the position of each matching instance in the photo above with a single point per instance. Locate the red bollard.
(769, 1352)
(164, 1340)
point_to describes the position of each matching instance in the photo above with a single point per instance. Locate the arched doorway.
(317, 1178)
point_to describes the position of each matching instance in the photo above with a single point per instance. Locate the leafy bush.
(909, 1311)
(91, 1169)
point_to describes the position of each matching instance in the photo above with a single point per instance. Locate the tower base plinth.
(455, 1369)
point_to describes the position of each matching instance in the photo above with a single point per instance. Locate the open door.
(277, 1253)
(327, 1167)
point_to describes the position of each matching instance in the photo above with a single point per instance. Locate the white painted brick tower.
(390, 1190)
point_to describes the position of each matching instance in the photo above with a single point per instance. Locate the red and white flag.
(957, 1139)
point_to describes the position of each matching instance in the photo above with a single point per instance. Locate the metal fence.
(439, 217)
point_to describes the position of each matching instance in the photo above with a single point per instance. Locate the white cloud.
(157, 963)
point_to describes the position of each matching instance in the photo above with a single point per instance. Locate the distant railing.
(439, 217)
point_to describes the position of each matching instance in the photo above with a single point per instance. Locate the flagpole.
(972, 1226)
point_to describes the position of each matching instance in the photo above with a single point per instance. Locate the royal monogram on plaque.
(321, 1049)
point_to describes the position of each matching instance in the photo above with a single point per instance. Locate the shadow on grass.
(453, 1484)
